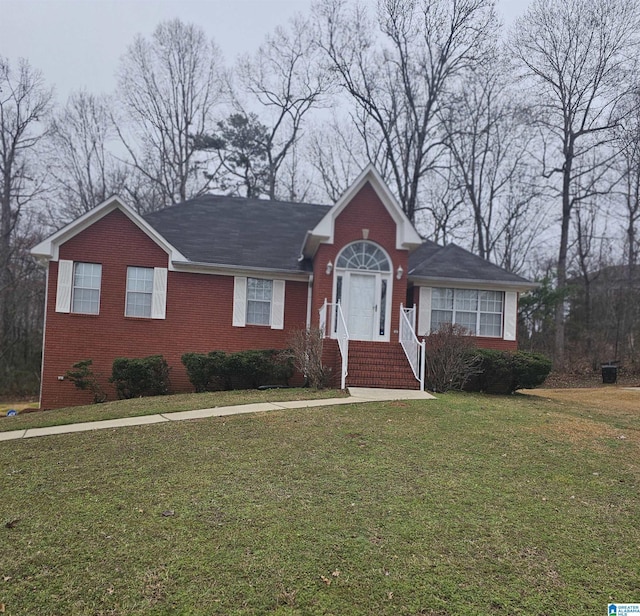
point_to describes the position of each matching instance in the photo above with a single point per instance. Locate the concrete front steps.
(372, 364)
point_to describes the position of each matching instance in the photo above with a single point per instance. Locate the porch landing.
(378, 393)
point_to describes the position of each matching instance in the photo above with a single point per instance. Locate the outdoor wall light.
(399, 272)
(329, 268)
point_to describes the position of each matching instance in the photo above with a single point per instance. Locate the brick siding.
(198, 318)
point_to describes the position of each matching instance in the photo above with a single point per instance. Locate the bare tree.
(576, 54)
(337, 153)
(399, 78)
(168, 87)
(627, 146)
(489, 135)
(282, 82)
(442, 218)
(590, 256)
(83, 170)
(25, 101)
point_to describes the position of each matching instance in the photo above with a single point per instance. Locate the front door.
(361, 306)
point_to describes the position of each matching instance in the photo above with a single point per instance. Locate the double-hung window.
(139, 292)
(259, 296)
(85, 294)
(258, 301)
(146, 292)
(480, 312)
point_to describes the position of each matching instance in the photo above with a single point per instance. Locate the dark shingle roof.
(239, 232)
(452, 262)
(254, 233)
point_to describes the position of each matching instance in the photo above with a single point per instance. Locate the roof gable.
(407, 237)
(49, 248)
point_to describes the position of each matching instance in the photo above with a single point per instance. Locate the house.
(232, 274)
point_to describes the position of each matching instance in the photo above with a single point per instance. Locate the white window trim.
(509, 312)
(65, 287)
(158, 294)
(240, 303)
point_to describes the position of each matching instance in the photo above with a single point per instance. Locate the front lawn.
(136, 407)
(465, 505)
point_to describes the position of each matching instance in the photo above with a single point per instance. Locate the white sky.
(77, 43)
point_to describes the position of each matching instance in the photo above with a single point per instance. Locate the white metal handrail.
(413, 348)
(337, 321)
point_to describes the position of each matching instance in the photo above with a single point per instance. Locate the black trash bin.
(609, 373)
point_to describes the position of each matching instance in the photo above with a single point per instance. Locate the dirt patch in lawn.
(616, 400)
(595, 413)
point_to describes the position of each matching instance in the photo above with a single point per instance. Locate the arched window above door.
(363, 256)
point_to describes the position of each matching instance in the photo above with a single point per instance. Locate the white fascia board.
(48, 248)
(221, 269)
(465, 283)
(407, 238)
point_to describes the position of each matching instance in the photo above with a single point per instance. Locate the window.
(478, 311)
(363, 256)
(259, 295)
(139, 292)
(258, 301)
(85, 295)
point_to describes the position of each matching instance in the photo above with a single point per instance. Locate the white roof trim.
(221, 269)
(407, 237)
(472, 283)
(49, 248)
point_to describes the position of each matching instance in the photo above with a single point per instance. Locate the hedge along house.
(235, 274)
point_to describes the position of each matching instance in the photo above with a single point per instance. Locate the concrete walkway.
(357, 395)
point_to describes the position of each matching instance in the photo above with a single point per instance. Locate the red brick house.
(233, 274)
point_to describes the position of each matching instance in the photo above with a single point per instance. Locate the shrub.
(145, 376)
(495, 374)
(505, 373)
(243, 370)
(530, 369)
(251, 369)
(82, 376)
(207, 372)
(450, 359)
(306, 353)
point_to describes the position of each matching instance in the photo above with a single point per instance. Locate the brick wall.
(198, 318)
(365, 211)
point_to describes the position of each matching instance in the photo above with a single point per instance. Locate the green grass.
(158, 404)
(465, 505)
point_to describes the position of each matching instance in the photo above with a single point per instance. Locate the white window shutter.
(65, 282)
(239, 301)
(510, 315)
(424, 311)
(159, 297)
(277, 305)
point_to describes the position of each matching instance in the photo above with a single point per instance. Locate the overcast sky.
(77, 43)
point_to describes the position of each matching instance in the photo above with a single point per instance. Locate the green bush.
(207, 372)
(251, 369)
(243, 370)
(82, 376)
(530, 369)
(144, 376)
(501, 372)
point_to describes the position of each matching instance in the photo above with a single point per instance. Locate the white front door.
(361, 306)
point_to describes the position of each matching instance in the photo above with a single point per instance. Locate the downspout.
(309, 300)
